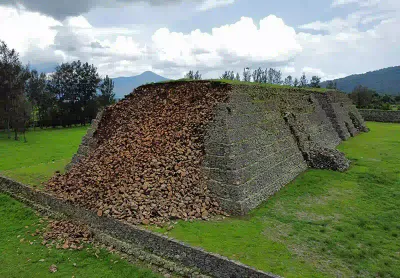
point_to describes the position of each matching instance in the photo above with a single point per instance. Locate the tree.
(362, 96)
(331, 85)
(296, 82)
(20, 114)
(237, 77)
(189, 75)
(288, 81)
(264, 78)
(35, 89)
(193, 76)
(228, 75)
(315, 82)
(74, 86)
(258, 75)
(107, 95)
(277, 77)
(197, 76)
(246, 75)
(13, 76)
(271, 74)
(303, 81)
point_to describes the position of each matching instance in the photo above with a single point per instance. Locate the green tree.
(197, 76)
(246, 75)
(237, 77)
(74, 86)
(362, 96)
(37, 94)
(258, 75)
(288, 81)
(13, 76)
(189, 75)
(193, 75)
(107, 95)
(303, 81)
(296, 82)
(228, 75)
(315, 82)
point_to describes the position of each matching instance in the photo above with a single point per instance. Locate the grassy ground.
(45, 152)
(22, 255)
(323, 224)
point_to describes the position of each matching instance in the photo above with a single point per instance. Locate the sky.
(328, 38)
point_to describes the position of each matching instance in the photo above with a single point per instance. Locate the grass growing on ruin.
(323, 224)
(236, 82)
(46, 151)
(22, 255)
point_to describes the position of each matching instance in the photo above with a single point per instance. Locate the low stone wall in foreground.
(171, 249)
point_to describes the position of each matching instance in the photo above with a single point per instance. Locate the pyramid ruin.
(190, 150)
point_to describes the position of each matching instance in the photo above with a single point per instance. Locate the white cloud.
(347, 47)
(236, 45)
(362, 3)
(366, 39)
(212, 4)
(23, 30)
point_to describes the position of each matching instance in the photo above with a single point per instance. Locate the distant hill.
(125, 85)
(384, 81)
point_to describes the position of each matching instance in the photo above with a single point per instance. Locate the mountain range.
(125, 85)
(383, 81)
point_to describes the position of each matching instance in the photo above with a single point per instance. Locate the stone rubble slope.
(146, 168)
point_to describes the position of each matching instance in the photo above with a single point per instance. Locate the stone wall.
(380, 115)
(89, 141)
(111, 230)
(262, 138)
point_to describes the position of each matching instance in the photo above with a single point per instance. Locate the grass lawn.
(325, 223)
(22, 255)
(45, 152)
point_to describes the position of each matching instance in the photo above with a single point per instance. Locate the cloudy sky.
(329, 38)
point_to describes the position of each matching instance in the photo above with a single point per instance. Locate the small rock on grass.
(53, 268)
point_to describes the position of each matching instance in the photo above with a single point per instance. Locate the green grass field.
(323, 224)
(33, 163)
(46, 151)
(22, 255)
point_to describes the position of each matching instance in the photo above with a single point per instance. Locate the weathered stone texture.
(89, 142)
(380, 115)
(133, 239)
(262, 138)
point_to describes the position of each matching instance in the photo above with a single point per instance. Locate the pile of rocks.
(66, 235)
(147, 166)
(323, 158)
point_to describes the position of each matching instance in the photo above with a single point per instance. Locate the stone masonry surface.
(262, 138)
(89, 142)
(380, 115)
(128, 238)
(258, 139)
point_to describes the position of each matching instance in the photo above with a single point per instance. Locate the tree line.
(268, 76)
(366, 98)
(72, 95)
